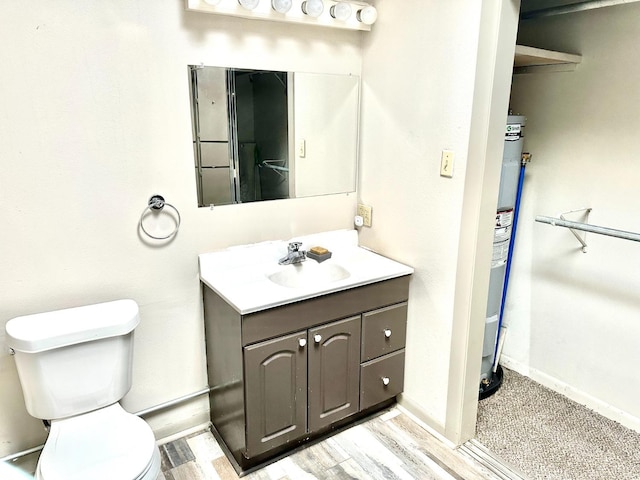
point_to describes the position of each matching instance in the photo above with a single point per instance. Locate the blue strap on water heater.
(516, 211)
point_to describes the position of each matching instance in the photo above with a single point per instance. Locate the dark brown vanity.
(287, 375)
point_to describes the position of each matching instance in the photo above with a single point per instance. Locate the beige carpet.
(547, 436)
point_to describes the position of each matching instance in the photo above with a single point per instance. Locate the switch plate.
(364, 211)
(446, 164)
(302, 148)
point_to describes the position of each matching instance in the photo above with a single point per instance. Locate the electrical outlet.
(446, 164)
(364, 211)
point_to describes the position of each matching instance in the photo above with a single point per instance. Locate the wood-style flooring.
(389, 446)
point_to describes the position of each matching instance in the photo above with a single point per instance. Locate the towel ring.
(157, 203)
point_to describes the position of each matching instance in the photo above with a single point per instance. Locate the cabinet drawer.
(381, 379)
(383, 331)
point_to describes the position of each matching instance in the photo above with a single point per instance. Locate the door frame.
(496, 47)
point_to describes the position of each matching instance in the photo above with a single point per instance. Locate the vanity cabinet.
(286, 375)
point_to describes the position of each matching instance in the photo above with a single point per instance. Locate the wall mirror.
(266, 135)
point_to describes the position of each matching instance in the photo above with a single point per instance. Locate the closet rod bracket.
(582, 239)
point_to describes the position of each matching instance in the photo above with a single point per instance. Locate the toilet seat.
(104, 444)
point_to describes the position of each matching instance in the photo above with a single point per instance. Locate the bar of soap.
(319, 254)
(319, 250)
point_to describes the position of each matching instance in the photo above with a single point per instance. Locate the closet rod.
(611, 232)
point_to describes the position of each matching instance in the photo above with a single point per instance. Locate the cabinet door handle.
(317, 338)
(387, 332)
(385, 381)
(302, 342)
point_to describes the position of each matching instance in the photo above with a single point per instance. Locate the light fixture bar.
(266, 10)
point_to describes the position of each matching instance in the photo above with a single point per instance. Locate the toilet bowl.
(106, 444)
(74, 367)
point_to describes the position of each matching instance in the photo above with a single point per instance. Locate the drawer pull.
(302, 342)
(317, 338)
(387, 332)
(385, 381)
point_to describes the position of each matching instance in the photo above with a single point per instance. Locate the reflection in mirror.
(266, 135)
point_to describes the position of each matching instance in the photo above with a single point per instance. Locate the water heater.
(508, 193)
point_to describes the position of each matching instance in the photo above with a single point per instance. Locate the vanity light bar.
(351, 15)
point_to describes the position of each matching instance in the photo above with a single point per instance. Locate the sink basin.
(308, 274)
(250, 280)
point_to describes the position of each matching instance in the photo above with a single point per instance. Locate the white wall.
(424, 91)
(409, 114)
(95, 119)
(573, 316)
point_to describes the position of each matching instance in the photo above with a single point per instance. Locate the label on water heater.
(501, 237)
(504, 219)
(513, 133)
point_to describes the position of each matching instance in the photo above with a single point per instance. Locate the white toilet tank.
(74, 360)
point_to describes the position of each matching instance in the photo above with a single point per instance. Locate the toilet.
(74, 366)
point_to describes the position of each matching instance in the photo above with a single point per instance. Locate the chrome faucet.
(294, 254)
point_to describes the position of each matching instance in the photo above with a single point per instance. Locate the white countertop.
(240, 274)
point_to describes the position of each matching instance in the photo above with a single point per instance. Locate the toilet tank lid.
(48, 330)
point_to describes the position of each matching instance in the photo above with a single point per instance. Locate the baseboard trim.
(184, 433)
(592, 403)
(422, 418)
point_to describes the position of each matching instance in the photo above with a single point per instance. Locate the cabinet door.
(334, 372)
(275, 392)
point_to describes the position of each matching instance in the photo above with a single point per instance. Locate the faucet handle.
(294, 246)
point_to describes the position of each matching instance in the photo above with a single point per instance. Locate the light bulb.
(313, 8)
(212, 2)
(281, 6)
(341, 11)
(249, 4)
(367, 15)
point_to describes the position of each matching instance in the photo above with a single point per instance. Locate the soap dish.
(319, 254)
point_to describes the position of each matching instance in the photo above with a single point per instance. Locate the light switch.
(446, 164)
